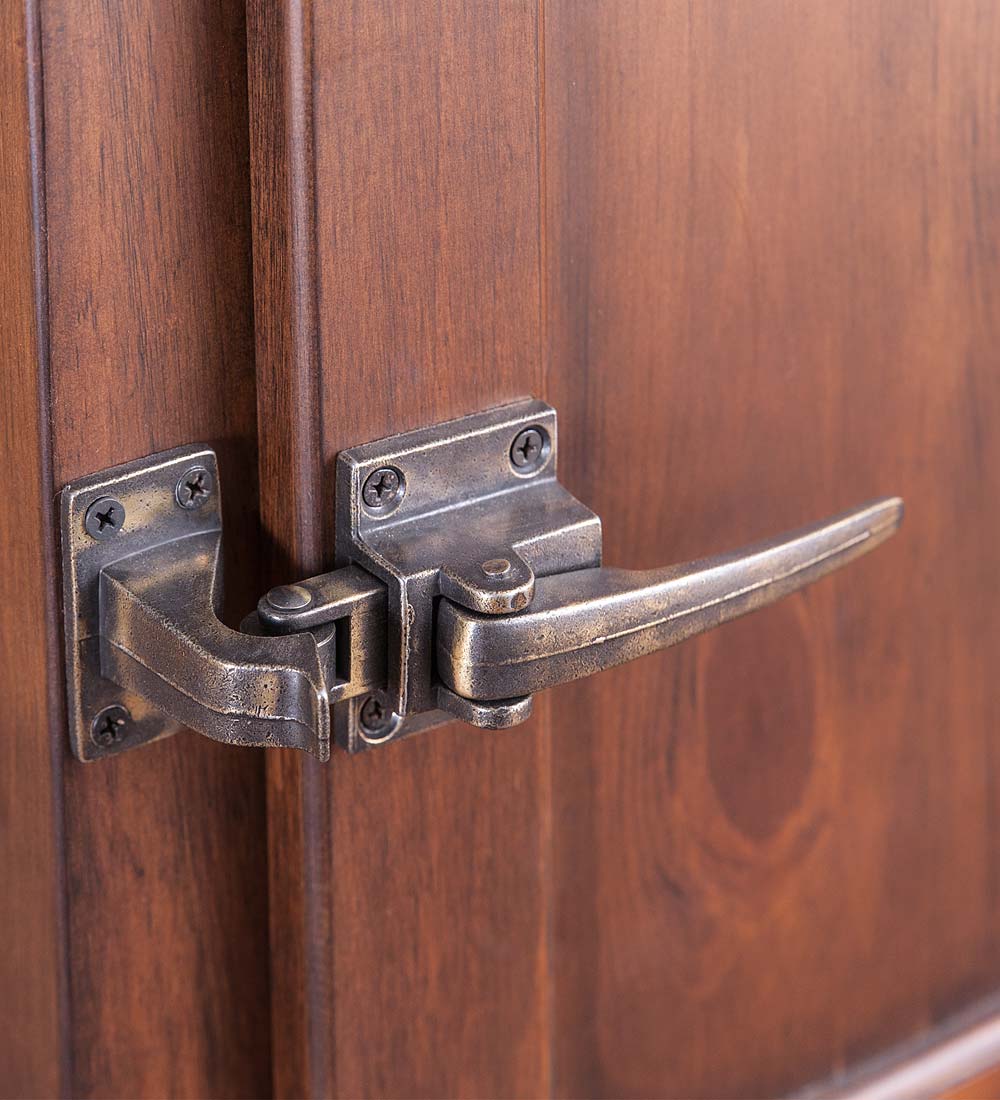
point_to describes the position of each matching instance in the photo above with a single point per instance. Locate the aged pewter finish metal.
(110, 726)
(466, 504)
(143, 633)
(288, 597)
(383, 489)
(104, 518)
(145, 490)
(530, 450)
(161, 638)
(583, 622)
(194, 487)
(476, 582)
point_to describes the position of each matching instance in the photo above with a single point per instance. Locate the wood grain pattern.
(766, 287)
(417, 874)
(774, 291)
(33, 1050)
(146, 173)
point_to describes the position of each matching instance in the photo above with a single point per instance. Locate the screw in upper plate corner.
(383, 489)
(194, 487)
(104, 518)
(530, 450)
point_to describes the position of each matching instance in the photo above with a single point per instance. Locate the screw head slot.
(530, 450)
(383, 489)
(194, 487)
(110, 726)
(104, 518)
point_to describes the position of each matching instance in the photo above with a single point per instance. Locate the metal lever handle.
(419, 619)
(591, 619)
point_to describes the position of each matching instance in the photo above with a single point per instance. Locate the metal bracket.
(473, 512)
(107, 518)
(470, 509)
(146, 652)
(468, 579)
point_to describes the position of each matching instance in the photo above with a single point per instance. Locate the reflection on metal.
(143, 632)
(583, 622)
(469, 579)
(467, 504)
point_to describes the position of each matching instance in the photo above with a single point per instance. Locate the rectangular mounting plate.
(462, 498)
(131, 508)
(470, 509)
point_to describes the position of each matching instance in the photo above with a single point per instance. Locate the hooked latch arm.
(468, 579)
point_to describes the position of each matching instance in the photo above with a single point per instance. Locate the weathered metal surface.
(161, 638)
(145, 492)
(580, 623)
(470, 499)
(469, 579)
(143, 633)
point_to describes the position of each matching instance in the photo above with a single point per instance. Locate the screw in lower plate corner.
(529, 450)
(110, 726)
(104, 518)
(383, 489)
(194, 487)
(376, 718)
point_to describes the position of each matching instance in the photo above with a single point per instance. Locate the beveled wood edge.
(41, 1059)
(289, 401)
(58, 745)
(928, 1065)
(307, 994)
(282, 199)
(150, 347)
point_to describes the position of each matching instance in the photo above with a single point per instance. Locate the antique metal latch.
(468, 578)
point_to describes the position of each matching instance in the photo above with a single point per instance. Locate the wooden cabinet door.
(134, 896)
(748, 250)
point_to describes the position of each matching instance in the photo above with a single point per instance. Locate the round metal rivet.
(496, 567)
(289, 597)
(104, 518)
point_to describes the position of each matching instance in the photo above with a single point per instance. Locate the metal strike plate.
(460, 499)
(131, 508)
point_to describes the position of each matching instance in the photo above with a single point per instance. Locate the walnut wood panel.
(397, 277)
(32, 979)
(150, 315)
(773, 291)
